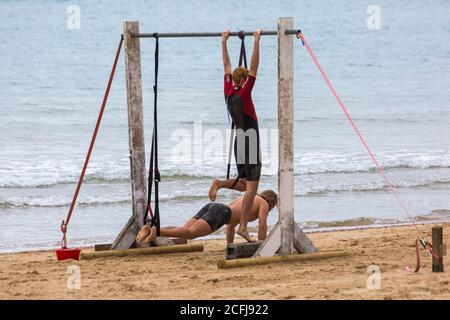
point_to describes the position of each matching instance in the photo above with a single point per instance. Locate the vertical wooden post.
(286, 134)
(285, 235)
(135, 136)
(437, 243)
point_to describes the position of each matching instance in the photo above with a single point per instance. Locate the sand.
(37, 275)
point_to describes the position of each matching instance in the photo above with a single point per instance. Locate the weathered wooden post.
(286, 135)
(135, 136)
(286, 235)
(438, 247)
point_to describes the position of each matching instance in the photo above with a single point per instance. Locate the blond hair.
(270, 196)
(238, 74)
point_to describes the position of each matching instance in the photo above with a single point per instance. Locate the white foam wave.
(52, 172)
(306, 187)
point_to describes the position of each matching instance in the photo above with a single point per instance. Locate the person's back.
(236, 209)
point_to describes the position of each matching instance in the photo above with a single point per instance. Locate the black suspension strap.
(242, 58)
(153, 171)
(242, 55)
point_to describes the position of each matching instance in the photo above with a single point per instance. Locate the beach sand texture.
(37, 275)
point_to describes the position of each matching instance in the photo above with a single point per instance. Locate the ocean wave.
(53, 172)
(196, 193)
(63, 201)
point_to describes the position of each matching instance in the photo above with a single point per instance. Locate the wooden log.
(437, 243)
(242, 250)
(126, 237)
(286, 135)
(237, 263)
(143, 251)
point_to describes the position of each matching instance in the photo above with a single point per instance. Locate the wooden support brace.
(237, 263)
(272, 244)
(301, 241)
(143, 251)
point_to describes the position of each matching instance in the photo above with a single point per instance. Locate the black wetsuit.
(247, 143)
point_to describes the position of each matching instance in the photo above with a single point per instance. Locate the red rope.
(388, 182)
(91, 146)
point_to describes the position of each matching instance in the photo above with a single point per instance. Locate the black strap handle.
(242, 55)
(153, 171)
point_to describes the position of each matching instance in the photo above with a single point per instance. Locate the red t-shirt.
(245, 93)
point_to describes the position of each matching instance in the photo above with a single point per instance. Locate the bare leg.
(227, 184)
(199, 228)
(247, 204)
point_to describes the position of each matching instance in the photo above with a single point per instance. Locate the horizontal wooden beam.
(143, 251)
(237, 263)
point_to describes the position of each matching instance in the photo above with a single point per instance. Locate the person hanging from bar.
(238, 96)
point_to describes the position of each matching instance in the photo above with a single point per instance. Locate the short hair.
(270, 196)
(238, 74)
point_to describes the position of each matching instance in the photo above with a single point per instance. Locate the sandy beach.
(37, 275)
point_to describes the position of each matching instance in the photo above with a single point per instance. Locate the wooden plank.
(286, 135)
(271, 245)
(143, 251)
(437, 243)
(102, 247)
(301, 241)
(237, 263)
(136, 141)
(242, 250)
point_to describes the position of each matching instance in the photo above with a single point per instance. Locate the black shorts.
(251, 172)
(248, 169)
(216, 214)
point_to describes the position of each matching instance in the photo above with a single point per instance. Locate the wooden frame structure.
(286, 235)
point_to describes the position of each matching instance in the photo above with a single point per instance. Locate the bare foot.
(245, 235)
(143, 233)
(213, 190)
(151, 237)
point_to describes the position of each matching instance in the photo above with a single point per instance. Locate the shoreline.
(37, 274)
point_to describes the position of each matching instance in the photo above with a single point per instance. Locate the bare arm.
(262, 220)
(225, 56)
(231, 228)
(254, 64)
